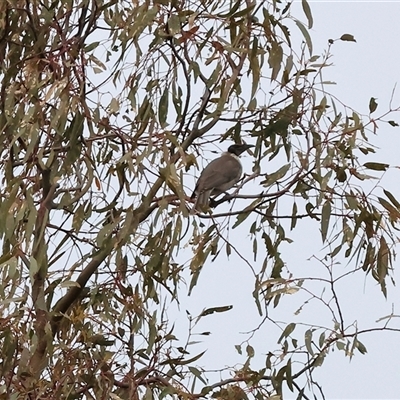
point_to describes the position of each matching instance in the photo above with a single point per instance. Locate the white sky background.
(368, 68)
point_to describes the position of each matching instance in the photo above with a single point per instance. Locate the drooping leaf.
(373, 105)
(163, 107)
(275, 59)
(392, 198)
(307, 12)
(250, 351)
(325, 218)
(306, 35)
(307, 340)
(360, 347)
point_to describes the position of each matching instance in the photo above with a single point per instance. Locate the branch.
(73, 293)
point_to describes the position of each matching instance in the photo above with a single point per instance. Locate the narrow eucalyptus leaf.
(307, 12)
(326, 215)
(347, 38)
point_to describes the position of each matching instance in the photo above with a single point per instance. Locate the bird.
(218, 176)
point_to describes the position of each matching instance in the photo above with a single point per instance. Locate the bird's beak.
(247, 147)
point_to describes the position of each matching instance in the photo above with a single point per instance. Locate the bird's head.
(238, 149)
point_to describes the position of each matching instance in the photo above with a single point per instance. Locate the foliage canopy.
(107, 108)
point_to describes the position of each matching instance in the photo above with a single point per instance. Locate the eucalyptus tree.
(107, 111)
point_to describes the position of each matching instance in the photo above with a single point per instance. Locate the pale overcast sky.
(368, 68)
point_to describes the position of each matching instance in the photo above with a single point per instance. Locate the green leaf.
(373, 105)
(148, 395)
(231, 11)
(326, 214)
(240, 218)
(306, 35)
(335, 252)
(179, 361)
(174, 25)
(33, 267)
(100, 340)
(391, 198)
(104, 233)
(163, 108)
(275, 59)
(68, 283)
(376, 166)
(79, 215)
(307, 341)
(255, 249)
(275, 176)
(294, 219)
(114, 105)
(393, 123)
(310, 211)
(347, 38)
(206, 390)
(255, 69)
(213, 310)
(245, 11)
(341, 175)
(319, 360)
(321, 339)
(9, 225)
(382, 263)
(287, 331)
(289, 378)
(250, 351)
(91, 47)
(394, 212)
(268, 244)
(307, 12)
(360, 347)
(340, 345)
(197, 374)
(32, 216)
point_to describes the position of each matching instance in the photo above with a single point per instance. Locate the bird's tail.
(201, 202)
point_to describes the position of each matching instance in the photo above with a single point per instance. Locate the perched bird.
(219, 176)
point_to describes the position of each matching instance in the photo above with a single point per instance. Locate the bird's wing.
(218, 172)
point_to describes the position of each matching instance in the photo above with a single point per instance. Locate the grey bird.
(219, 176)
